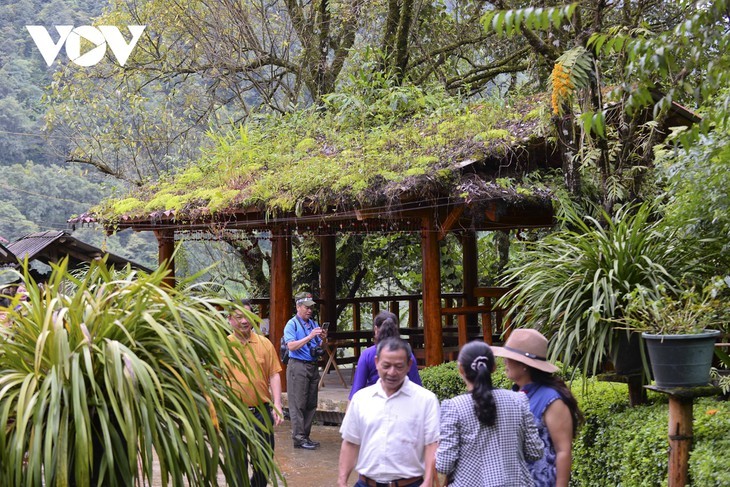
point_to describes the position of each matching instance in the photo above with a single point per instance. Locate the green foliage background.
(38, 191)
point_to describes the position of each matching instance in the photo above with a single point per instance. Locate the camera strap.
(311, 323)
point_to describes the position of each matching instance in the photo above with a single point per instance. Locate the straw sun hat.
(527, 346)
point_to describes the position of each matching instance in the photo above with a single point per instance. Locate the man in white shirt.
(391, 430)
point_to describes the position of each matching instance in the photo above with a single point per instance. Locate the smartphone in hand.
(325, 325)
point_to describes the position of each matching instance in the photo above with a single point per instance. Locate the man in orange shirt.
(260, 385)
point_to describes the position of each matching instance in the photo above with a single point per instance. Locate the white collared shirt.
(392, 431)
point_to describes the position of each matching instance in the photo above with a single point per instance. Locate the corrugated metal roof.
(50, 246)
(32, 244)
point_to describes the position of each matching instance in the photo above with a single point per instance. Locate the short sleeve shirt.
(251, 369)
(296, 329)
(392, 431)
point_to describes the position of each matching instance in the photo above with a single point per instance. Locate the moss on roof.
(308, 161)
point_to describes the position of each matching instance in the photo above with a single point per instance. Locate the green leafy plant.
(685, 313)
(573, 284)
(722, 380)
(103, 374)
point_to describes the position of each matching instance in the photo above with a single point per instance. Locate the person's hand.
(277, 414)
(315, 333)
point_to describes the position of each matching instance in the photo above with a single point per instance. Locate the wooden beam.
(328, 280)
(466, 310)
(450, 221)
(280, 304)
(462, 330)
(165, 254)
(490, 292)
(431, 283)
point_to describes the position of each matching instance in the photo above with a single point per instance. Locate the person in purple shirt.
(385, 325)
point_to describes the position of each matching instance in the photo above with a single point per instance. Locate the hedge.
(623, 446)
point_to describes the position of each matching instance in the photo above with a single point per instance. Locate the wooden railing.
(461, 322)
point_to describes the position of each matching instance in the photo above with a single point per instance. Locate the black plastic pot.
(681, 360)
(626, 354)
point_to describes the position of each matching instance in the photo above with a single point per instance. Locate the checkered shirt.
(488, 456)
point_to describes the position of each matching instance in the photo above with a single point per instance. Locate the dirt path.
(302, 468)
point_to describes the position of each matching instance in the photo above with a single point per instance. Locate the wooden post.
(356, 319)
(280, 304)
(412, 313)
(487, 327)
(394, 307)
(470, 269)
(463, 332)
(328, 280)
(165, 251)
(680, 428)
(680, 439)
(637, 393)
(431, 282)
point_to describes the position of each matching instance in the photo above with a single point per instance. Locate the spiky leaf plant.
(103, 374)
(575, 284)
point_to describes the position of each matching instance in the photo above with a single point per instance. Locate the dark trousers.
(259, 477)
(302, 381)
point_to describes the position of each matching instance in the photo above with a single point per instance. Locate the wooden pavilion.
(460, 189)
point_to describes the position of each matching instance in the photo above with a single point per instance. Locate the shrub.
(618, 444)
(709, 462)
(444, 380)
(621, 445)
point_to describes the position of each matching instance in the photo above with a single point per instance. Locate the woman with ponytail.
(487, 434)
(385, 325)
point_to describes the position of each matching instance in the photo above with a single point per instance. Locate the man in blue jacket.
(303, 337)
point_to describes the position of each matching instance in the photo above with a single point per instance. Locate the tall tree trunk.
(401, 47)
(568, 148)
(501, 240)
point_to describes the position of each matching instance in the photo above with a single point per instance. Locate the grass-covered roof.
(310, 162)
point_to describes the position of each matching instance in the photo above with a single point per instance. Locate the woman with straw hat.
(551, 402)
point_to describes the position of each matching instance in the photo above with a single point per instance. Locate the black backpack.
(283, 349)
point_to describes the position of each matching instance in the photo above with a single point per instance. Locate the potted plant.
(677, 328)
